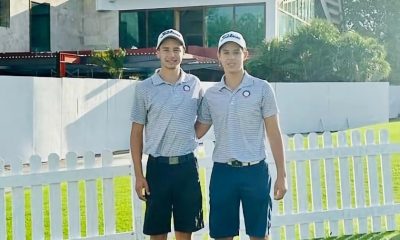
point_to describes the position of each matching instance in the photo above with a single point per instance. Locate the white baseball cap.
(232, 37)
(170, 33)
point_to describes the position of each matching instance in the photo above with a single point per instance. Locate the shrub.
(320, 53)
(111, 60)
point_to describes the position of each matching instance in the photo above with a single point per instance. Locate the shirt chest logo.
(246, 93)
(186, 88)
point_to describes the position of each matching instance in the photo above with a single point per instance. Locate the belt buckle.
(236, 163)
(173, 160)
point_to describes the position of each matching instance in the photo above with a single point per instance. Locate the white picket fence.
(338, 185)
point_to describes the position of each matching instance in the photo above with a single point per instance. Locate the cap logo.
(169, 32)
(231, 35)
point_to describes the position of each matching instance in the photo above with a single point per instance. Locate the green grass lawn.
(123, 200)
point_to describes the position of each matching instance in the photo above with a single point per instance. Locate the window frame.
(5, 13)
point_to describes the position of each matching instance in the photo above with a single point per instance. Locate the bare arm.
(276, 143)
(136, 153)
(201, 129)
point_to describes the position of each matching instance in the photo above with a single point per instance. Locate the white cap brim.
(232, 37)
(170, 33)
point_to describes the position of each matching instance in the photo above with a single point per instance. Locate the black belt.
(237, 163)
(174, 159)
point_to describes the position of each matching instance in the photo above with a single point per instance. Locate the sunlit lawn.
(123, 200)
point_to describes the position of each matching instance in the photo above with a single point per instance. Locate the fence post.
(18, 205)
(37, 201)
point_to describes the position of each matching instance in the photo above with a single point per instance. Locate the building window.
(129, 36)
(40, 27)
(293, 14)
(302, 9)
(191, 26)
(200, 26)
(219, 20)
(4, 13)
(288, 24)
(249, 20)
(140, 29)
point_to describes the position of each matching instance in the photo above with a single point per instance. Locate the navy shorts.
(174, 190)
(231, 185)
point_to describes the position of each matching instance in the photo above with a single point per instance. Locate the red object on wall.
(64, 59)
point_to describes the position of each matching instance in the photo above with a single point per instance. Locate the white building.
(54, 25)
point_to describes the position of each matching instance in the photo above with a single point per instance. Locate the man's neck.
(170, 75)
(233, 80)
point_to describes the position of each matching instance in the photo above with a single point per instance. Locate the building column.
(271, 19)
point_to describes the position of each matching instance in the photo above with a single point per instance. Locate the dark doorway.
(40, 27)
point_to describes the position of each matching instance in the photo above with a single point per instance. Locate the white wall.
(16, 109)
(93, 24)
(394, 101)
(16, 37)
(44, 115)
(307, 107)
(96, 114)
(74, 25)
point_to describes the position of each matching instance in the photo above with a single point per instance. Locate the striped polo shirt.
(168, 112)
(238, 118)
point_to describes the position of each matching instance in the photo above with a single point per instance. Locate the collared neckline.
(157, 80)
(246, 81)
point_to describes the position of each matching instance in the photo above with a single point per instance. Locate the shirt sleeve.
(200, 97)
(268, 106)
(204, 115)
(138, 111)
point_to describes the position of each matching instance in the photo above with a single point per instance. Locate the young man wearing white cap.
(242, 108)
(165, 107)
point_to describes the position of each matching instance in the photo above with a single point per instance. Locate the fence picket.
(345, 184)
(208, 146)
(302, 179)
(18, 205)
(204, 157)
(242, 229)
(108, 196)
(387, 180)
(74, 229)
(359, 182)
(137, 207)
(330, 183)
(316, 185)
(3, 221)
(92, 215)
(37, 201)
(372, 174)
(274, 232)
(288, 199)
(55, 200)
(305, 162)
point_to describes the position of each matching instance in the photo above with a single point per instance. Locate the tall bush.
(319, 52)
(378, 19)
(360, 59)
(274, 61)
